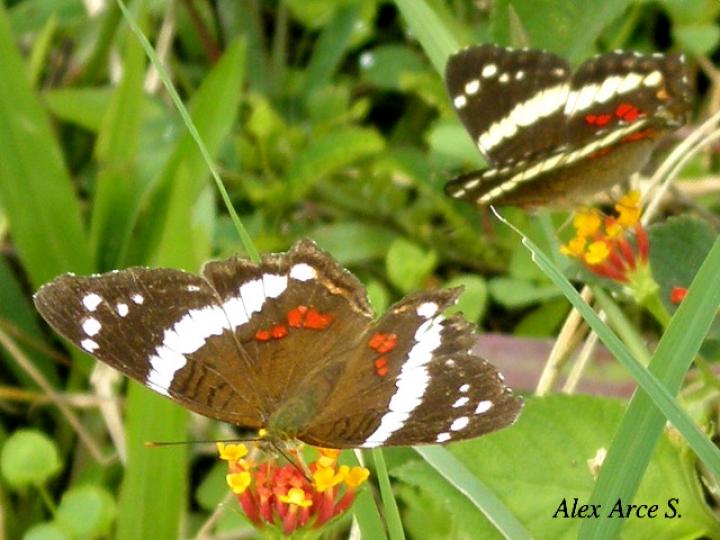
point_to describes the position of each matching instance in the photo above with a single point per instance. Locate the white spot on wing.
(91, 301)
(464, 388)
(164, 364)
(137, 298)
(122, 309)
(193, 288)
(472, 87)
(489, 70)
(89, 345)
(459, 423)
(652, 79)
(443, 437)
(504, 78)
(427, 310)
(91, 326)
(190, 333)
(460, 102)
(459, 402)
(483, 406)
(302, 272)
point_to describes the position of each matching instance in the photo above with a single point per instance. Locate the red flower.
(294, 495)
(678, 294)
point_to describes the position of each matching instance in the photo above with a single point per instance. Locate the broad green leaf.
(682, 236)
(29, 457)
(385, 66)
(555, 468)
(473, 300)
(517, 293)
(87, 510)
(408, 265)
(700, 39)
(47, 531)
(354, 242)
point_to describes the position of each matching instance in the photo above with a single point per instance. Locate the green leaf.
(29, 458)
(473, 300)
(35, 187)
(408, 265)
(679, 237)
(87, 511)
(329, 153)
(451, 146)
(543, 321)
(46, 531)
(437, 38)
(517, 293)
(700, 39)
(554, 25)
(385, 66)
(556, 468)
(354, 242)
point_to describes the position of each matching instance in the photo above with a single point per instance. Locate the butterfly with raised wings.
(554, 137)
(288, 345)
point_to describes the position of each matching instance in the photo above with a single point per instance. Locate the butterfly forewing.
(510, 101)
(560, 144)
(414, 380)
(164, 328)
(302, 309)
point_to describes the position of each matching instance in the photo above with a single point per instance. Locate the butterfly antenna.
(161, 444)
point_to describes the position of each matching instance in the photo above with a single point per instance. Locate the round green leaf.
(473, 300)
(28, 458)
(408, 265)
(698, 38)
(46, 531)
(87, 511)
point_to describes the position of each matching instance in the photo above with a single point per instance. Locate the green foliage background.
(329, 120)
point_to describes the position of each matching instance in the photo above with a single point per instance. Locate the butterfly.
(288, 345)
(552, 136)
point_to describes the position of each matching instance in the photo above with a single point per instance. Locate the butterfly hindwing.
(414, 380)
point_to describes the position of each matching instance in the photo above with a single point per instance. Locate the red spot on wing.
(311, 318)
(597, 119)
(381, 366)
(640, 135)
(295, 316)
(627, 112)
(600, 153)
(263, 335)
(279, 331)
(315, 320)
(383, 343)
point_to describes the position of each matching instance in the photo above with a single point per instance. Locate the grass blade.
(36, 191)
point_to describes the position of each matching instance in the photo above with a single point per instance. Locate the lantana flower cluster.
(603, 244)
(291, 496)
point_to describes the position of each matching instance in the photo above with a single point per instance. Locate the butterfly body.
(288, 345)
(551, 135)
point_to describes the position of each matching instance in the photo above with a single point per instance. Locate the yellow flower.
(587, 222)
(613, 228)
(628, 209)
(297, 497)
(238, 481)
(328, 457)
(597, 252)
(575, 247)
(231, 452)
(324, 478)
(356, 476)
